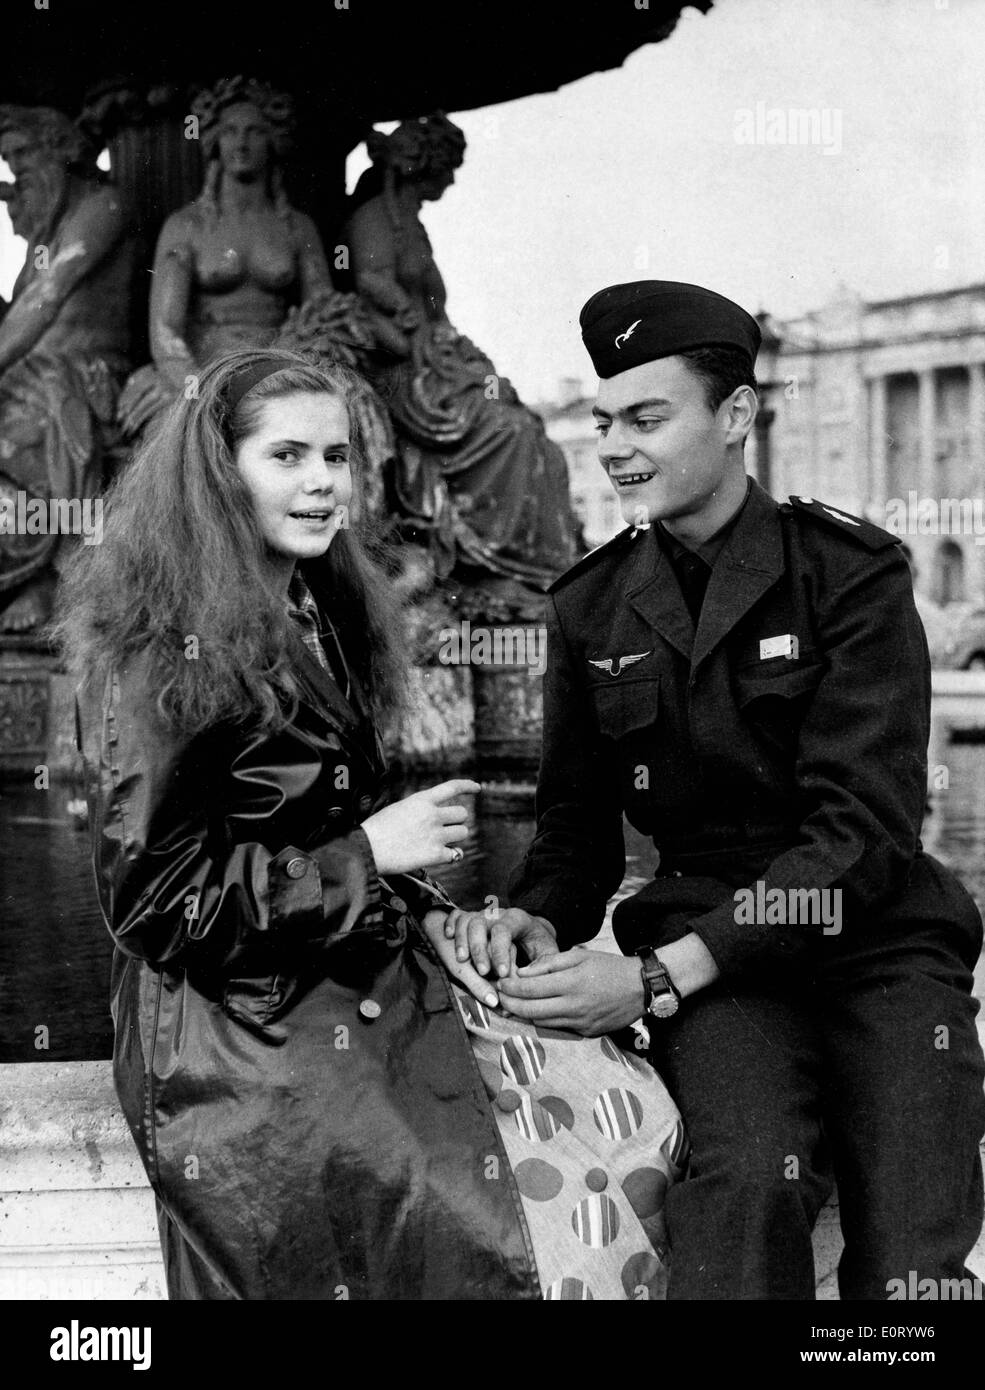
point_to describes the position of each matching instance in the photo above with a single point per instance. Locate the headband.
(246, 378)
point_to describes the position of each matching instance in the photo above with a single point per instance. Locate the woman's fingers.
(453, 815)
(501, 951)
(462, 935)
(458, 786)
(473, 982)
(478, 942)
(462, 971)
(450, 833)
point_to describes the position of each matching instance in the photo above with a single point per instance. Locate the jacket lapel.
(652, 589)
(353, 725)
(750, 563)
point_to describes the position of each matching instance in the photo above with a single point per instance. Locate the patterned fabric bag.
(594, 1141)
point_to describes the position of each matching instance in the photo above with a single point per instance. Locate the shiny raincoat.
(289, 1056)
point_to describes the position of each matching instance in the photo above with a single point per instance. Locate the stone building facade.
(879, 408)
(570, 423)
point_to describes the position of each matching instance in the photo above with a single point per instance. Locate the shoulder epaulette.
(856, 527)
(621, 539)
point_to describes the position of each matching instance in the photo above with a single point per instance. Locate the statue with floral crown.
(229, 265)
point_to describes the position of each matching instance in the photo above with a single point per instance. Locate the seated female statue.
(478, 476)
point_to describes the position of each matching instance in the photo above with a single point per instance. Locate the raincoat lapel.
(352, 722)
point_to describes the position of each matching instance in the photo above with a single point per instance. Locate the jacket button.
(398, 904)
(370, 1009)
(334, 812)
(296, 868)
(365, 802)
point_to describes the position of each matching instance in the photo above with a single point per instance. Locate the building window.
(949, 573)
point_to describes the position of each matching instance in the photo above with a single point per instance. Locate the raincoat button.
(296, 868)
(398, 904)
(370, 1009)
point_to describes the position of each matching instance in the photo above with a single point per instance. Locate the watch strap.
(655, 974)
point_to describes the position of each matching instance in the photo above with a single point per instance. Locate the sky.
(637, 174)
(658, 170)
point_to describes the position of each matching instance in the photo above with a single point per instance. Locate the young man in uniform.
(749, 682)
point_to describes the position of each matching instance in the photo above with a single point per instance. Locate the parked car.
(965, 648)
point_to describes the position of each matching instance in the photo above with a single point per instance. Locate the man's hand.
(434, 929)
(488, 936)
(587, 992)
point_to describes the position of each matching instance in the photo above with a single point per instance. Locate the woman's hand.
(434, 922)
(421, 831)
(488, 936)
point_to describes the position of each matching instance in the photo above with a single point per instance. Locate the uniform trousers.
(864, 1062)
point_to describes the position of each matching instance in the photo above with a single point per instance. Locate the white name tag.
(777, 646)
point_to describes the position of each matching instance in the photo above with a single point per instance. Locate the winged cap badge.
(615, 665)
(621, 337)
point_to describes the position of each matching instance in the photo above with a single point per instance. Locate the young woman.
(322, 1113)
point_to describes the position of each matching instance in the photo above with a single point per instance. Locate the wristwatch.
(661, 997)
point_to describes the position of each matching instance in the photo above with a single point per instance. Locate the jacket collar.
(750, 563)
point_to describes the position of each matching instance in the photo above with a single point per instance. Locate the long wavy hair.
(183, 557)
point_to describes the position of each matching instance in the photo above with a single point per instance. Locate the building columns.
(878, 446)
(975, 578)
(976, 426)
(927, 483)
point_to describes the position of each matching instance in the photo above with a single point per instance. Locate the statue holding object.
(64, 345)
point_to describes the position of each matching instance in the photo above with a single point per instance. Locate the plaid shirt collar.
(302, 608)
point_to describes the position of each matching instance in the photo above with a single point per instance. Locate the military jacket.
(788, 729)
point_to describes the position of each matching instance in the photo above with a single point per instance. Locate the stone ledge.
(77, 1215)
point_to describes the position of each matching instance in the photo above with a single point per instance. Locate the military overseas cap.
(624, 326)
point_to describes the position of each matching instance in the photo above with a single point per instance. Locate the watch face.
(663, 1005)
